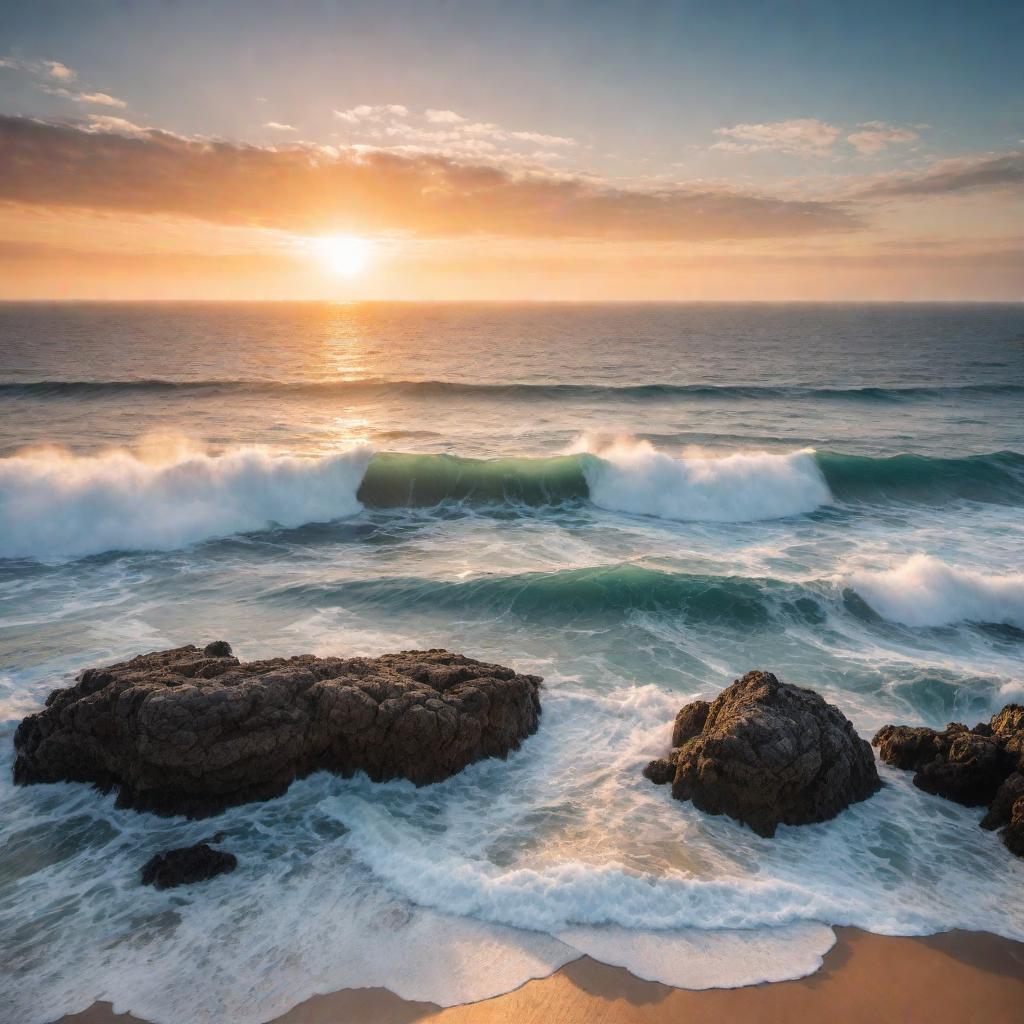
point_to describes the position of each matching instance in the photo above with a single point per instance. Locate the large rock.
(186, 866)
(768, 754)
(977, 767)
(190, 731)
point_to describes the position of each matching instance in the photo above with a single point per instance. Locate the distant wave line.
(523, 391)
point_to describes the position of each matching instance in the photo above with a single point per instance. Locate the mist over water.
(639, 503)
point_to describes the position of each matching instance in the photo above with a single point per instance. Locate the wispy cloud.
(43, 68)
(807, 136)
(47, 72)
(443, 116)
(874, 136)
(800, 135)
(101, 99)
(279, 126)
(445, 132)
(366, 112)
(988, 172)
(315, 189)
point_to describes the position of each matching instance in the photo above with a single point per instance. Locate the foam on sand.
(925, 591)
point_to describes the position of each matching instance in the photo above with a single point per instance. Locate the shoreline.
(953, 977)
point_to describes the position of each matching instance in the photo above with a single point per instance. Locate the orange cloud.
(316, 189)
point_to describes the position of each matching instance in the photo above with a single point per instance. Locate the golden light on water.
(344, 255)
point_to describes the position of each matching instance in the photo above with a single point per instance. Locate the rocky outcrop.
(190, 731)
(977, 767)
(187, 865)
(768, 754)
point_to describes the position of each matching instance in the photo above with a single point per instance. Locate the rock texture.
(187, 865)
(190, 731)
(978, 767)
(767, 754)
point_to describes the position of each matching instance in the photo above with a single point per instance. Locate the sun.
(345, 255)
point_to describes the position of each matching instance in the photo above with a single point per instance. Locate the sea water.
(637, 502)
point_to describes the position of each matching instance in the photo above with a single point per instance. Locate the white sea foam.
(633, 476)
(701, 959)
(54, 504)
(925, 591)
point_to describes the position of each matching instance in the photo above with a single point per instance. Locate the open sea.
(637, 502)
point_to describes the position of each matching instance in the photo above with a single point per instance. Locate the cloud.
(278, 126)
(444, 132)
(873, 136)
(114, 165)
(802, 135)
(443, 117)
(542, 140)
(807, 136)
(365, 112)
(989, 172)
(101, 99)
(107, 123)
(43, 68)
(61, 72)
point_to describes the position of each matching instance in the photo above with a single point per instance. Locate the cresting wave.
(57, 505)
(631, 476)
(922, 591)
(54, 504)
(380, 386)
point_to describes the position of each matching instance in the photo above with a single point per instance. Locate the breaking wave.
(54, 504)
(925, 591)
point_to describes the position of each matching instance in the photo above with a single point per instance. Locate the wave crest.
(925, 591)
(54, 504)
(632, 476)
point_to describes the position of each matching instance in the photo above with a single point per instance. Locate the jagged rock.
(1013, 834)
(970, 770)
(1001, 809)
(975, 767)
(689, 722)
(187, 865)
(768, 754)
(661, 771)
(190, 731)
(907, 747)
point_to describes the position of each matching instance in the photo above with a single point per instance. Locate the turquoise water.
(639, 503)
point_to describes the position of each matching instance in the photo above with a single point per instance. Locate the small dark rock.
(661, 771)
(218, 649)
(970, 771)
(187, 865)
(768, 754)
(980, 766)
(690, 721)
(1001, 809)
(907, 747)
(1013, 834)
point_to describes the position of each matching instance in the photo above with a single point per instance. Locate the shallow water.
(637, 502)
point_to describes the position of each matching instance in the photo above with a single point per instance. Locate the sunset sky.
(446, 150)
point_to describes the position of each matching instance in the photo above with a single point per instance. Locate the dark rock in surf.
(689, 722)
(186, 866)
(1013, 834)
(187, 731)
(1000, 811)
(767, 753)
(977, 767)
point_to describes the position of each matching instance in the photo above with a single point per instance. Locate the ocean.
(637, 502)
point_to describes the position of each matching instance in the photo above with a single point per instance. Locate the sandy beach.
(953, 978)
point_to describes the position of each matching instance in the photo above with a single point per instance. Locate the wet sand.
(954, 978)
